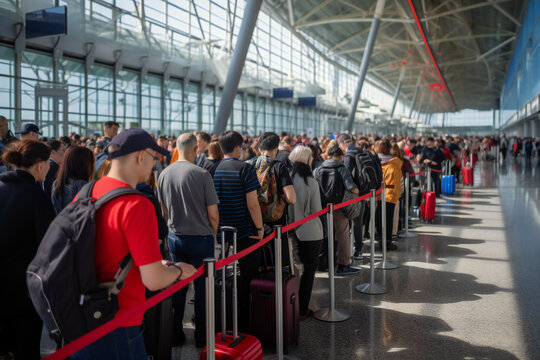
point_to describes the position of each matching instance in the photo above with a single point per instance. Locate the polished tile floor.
(467, 287)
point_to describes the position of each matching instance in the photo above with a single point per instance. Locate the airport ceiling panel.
(471, 41)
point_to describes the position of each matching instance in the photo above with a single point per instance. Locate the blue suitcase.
(448, 182)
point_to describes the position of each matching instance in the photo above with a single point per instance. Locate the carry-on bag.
(448, 181)
(232, 345)
(467, 173)
(263, 308)
(159, 329)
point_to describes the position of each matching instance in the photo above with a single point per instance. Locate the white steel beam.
(291, 12)
(314, 11)
(505, 13)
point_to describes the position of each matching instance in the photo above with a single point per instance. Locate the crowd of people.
(193, 185)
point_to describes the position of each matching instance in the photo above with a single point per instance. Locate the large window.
(151, 104)
(100, 97)
(7, 85)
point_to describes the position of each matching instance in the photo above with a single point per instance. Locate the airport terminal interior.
(466, 284)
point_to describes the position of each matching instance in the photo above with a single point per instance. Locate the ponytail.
(24, 154)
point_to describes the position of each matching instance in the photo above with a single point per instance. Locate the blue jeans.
(123, 343)
(191, 249)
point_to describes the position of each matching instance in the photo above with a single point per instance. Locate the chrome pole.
(331, 314)
(279, 293)
(279, 299)
(407, 234)
(372, 288)
(235, 291)
(210, 269)
(223, 295)
(384, 265)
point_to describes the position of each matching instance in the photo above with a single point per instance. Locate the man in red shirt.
(125, 225)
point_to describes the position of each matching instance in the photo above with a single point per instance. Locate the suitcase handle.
(232, 229)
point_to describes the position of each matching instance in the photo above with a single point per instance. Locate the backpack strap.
(113, 194)
(86, 190)
(127, 261)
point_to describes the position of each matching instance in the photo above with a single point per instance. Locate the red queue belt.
(115, 323)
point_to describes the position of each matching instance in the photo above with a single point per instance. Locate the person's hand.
(427, 161)
(187, 270)
(259, 236)
(433, 163)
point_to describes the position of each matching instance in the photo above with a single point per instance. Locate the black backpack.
(330, 185)
(62, 279)
(367, 172)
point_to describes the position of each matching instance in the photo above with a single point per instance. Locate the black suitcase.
(159, 330)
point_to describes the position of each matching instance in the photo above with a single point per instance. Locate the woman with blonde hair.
(307, 238)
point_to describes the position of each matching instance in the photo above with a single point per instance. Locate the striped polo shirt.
(233, 179)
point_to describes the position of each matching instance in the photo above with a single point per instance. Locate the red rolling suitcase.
(229, 346)
(467, 172)
(427, 209)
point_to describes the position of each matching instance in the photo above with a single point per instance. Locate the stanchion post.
(384, 265)
(407, 234)
(209, 272)
(372, 288)
(223, 294)
(331, 314)
(428, 178)
(279, 293)
(235, 290)
(278, 270)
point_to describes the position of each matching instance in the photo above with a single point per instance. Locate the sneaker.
(391, 247)
(358, 255)
(346, 270)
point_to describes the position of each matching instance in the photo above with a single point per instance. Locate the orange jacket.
(174, 155)
(392, 177)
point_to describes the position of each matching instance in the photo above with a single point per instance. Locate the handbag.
(354, 210)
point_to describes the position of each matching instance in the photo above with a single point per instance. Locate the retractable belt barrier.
(114, 324)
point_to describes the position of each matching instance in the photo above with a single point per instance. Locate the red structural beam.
(426, 44)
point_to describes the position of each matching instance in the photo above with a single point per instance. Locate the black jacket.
(51, 176)
(8, 139)
(25, 215)
(433, 154)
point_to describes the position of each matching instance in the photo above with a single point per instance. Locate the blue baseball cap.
(133, 140)
(29, 128)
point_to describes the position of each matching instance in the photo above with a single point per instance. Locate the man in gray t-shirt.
(189, 202)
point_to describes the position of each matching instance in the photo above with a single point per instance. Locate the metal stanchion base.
(386, 265)
(408, 234)
(372, 289)
(332, 315)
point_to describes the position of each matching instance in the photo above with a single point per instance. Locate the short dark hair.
(229, 140)
(335, 151)
(430, 139)
(344, 138)
(54, 144)
(204, 136)
(413, 141)
(66, 140)
(269, 141)
(110, 124)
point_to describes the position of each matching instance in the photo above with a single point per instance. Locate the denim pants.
(124, 343)
(191, 249)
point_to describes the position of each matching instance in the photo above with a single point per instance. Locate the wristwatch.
(259, 229)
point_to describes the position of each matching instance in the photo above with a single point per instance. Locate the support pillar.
(365, 61)
(398, 89)
(251, 13)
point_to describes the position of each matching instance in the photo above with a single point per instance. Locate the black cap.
(133, 140)
(29, 128)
